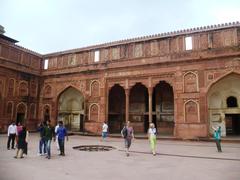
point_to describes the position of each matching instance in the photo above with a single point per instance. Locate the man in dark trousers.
(49, 134)
(12, 132)
(61, 134)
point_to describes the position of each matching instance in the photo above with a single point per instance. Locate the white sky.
(54, 25)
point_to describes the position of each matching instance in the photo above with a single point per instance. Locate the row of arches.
(72, 108)
(161, 108)
(22, 89)
(22, 110)
(154, 104)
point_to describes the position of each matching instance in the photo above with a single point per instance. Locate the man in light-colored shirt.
(104, 131)
(12, 131)
(56, 128)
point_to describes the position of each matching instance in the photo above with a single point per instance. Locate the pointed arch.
(71, 108)
(221, 77)
(21, 113)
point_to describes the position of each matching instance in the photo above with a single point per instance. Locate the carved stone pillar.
(150, 90)
(127, 104)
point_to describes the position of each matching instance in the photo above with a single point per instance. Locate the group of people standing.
(20, 134)
(49, 133)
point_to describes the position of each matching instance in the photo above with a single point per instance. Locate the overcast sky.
(54, 25)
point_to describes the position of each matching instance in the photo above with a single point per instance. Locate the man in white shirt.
(104, 131)
(56, 128)
(12, 131)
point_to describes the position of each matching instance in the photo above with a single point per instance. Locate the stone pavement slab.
(178, 160)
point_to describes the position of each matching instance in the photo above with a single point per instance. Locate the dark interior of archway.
(46, 115)
(163, 108)
(116, 109)
(20, 118)
(138, 108)
(232, 124)
(232, 102)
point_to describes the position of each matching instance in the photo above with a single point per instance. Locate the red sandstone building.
(184, 82)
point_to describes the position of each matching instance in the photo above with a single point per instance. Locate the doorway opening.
(71, 109)
(232, 124)
(20, 118)
(116, 108)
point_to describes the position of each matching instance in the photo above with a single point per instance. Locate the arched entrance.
(163, 108)
(116, 108)
(71, 109)
(21, 113)
(46, 113)
(138, 108)
(223, 105)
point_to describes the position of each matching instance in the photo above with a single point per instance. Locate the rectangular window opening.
(96, 56)
(188, 43)
(45, 64)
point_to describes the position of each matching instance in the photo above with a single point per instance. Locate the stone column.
(127, 104)
(150, 90)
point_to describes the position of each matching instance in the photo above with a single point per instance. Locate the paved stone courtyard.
(180, 160)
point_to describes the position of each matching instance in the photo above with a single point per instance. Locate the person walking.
(21, 142)
(49, 134)
(25, 150)
(56, 128)
(128, 134)
(217, 137)
(12, 131)
(152, 132)
(104, 131)
(42, 141)
(61, 134)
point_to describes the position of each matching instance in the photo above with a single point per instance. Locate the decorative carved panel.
(191, 112)
(154, 48)
(116, 53)
(104, 55)
(26, 59)
(190, 82)
(47, 91)
(85, 57)
(94, 112)
(138, 52)
(95, 89)
(23, 89)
